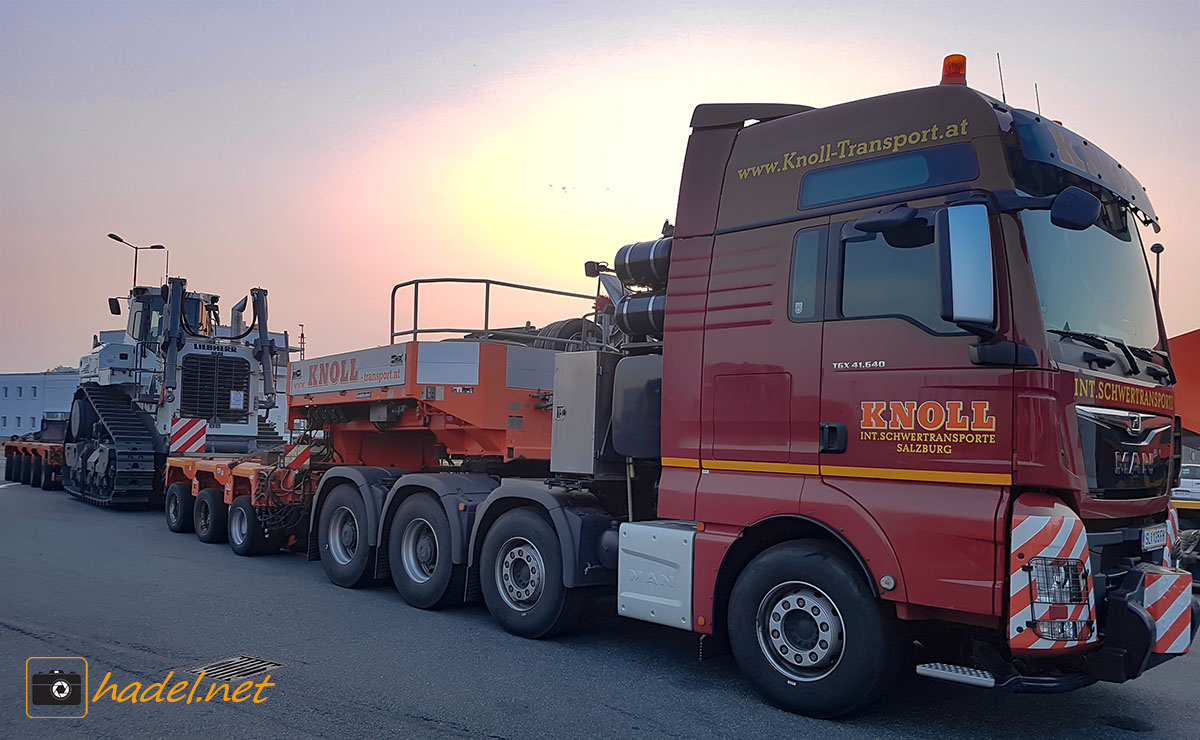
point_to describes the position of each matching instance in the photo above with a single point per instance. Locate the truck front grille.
(208, 384)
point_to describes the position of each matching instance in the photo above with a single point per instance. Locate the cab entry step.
(957, 674)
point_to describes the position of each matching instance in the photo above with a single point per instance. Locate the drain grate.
(237, 667)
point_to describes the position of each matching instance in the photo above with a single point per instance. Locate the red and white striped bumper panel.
(1169, 601)
(189, 435)
(1047, 538)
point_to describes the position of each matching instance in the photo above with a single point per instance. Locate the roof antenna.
(1038, 99)
(1001, 71)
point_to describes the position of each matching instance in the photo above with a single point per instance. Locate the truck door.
(912, 429)
(761, 374)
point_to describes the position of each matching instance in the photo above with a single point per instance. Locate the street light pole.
(135, 249)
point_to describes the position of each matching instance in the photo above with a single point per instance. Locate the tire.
(246, 534)
(210, 516)
(9, 464)
(179, 507)
(419, 555)
(343, 538)
(837, 677)
(27, 469)
(35, 472)
(48, 483)
(534, 604)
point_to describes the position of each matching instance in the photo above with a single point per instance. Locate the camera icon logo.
(57, 687)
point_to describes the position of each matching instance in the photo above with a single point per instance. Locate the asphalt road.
(117, 588)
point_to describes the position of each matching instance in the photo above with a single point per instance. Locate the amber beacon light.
(954, 70)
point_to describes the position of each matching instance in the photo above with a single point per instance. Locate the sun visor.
(1043, 140)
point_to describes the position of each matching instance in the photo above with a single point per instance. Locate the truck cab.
(924, 322)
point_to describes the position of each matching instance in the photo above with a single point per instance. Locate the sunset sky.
(326, 151)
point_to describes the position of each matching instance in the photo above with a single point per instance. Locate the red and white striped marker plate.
(295, 457)
(1170, 557)
(188, 435)
(1169, 601)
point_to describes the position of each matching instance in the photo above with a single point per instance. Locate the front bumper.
(1134, 636)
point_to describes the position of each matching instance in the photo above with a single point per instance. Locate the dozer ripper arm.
(173, 331)
(264, 346)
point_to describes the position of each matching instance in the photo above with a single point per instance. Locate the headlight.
(1058, 581)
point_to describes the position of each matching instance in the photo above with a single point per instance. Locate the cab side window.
(894, 275)
(806, 275)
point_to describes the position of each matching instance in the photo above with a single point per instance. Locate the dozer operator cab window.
(145, 321)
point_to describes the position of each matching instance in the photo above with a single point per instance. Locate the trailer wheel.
(210, 515)
(808, 633)
(35, 472)
(9, 463)
(27, 469)
(179, 507)
(520, 574)
(246, 533)
(342, 538)
(48, 477)
(419, 555)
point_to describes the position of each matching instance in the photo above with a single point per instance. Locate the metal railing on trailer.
(486, 331)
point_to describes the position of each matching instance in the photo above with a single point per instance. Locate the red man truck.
(898, 376)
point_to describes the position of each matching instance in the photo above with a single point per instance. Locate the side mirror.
(114, 306)
(968, 286)
(1074, 208)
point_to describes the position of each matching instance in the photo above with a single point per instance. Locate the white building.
(27, 398)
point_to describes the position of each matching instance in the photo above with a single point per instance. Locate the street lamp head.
(1156, 248)
(157, 246)
(114, 237)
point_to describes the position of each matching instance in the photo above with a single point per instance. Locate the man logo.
(655, 579)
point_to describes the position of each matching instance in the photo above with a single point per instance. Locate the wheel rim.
(520, 574)
(203, 516)
(342, 535)
(239, 525)
(800, 631)
(419, 550)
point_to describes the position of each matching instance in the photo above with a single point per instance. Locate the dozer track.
(134, 442)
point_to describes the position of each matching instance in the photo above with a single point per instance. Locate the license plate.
(1154, 538)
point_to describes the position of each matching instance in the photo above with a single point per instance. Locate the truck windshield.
(1093, 281)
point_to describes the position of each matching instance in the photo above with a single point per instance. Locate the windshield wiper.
(1148, 354)
(1094, 340)
(1100, 342)
(1134, 367)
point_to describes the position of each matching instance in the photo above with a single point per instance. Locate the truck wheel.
(180, 504)
(35, 472)
(9, 465)
(210, 515)
(520, 574)
(342, 538)
(807, 632)
(419, 555)
(246, 532)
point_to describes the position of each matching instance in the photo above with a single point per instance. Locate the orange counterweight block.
(490, 402)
